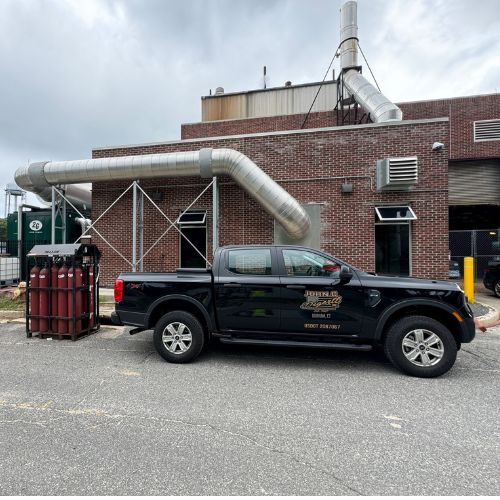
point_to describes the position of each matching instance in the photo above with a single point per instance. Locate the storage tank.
(37, 229)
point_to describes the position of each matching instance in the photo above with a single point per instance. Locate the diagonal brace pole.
(100, 235)
(173, 225)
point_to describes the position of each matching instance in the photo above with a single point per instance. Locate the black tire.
(179, 344)
(426, 340)
(496, 289)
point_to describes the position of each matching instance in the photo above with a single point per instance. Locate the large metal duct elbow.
(32, 178)
(204, 163)
(370, 98)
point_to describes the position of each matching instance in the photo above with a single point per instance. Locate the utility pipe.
(205, 163)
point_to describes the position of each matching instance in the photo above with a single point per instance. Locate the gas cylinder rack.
(62, 296)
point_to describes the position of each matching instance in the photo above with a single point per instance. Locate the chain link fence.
(483, 245)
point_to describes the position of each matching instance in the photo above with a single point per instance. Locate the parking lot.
(106, 415)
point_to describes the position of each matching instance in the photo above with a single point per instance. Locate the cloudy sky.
(76, 74)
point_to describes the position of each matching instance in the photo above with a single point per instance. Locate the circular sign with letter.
(36, 225)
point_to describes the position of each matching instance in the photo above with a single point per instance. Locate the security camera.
(437, 146)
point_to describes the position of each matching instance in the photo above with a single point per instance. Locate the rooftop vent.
(219, 90)
(487, 130)
(397, 174)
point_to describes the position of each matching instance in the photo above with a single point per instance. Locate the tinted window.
(256, 261)
(304, 263)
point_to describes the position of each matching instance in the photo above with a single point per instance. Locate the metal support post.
(63, 220)
(134, 227)
(53, 217)
(215, 214)
(20, 237)
(141, 232)
(469, 279)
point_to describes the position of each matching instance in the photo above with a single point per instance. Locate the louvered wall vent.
(397, 174)
(487, 130)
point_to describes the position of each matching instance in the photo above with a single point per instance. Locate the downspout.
(206, 163)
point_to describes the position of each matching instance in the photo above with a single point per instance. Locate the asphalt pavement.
(107, 416)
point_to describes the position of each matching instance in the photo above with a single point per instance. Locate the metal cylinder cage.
(80, 297)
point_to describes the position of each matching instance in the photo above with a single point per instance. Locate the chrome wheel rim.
(177, 338)
(423, 348)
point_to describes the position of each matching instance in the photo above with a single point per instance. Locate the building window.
(193, 228)
(389, 214)
(192, 218)
(392, 249)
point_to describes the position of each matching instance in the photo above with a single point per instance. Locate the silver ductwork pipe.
(369, 97)
(349, 35)
(205, 163)
(84, 223)
(32, 178)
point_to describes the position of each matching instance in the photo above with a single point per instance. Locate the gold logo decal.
(319, 301)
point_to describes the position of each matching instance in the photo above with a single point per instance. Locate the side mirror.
(330, 268)
(345, 274)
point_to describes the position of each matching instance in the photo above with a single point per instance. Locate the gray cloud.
(76, 75)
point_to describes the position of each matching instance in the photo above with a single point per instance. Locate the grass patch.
(106, 299)
(7, 304)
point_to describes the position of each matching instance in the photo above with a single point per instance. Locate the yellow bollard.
(469, 279)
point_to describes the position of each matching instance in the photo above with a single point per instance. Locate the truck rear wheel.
(178, 337)
(420, 346)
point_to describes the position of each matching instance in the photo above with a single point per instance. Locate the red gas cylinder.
(75, 280)
(54, 270)
(62, 299)
(91, 297)
(34, 297)
(44, 298)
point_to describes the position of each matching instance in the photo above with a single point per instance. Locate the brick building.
(331, 168)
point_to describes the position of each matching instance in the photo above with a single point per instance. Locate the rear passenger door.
(248, 290)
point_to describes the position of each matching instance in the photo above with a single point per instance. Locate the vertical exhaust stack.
(366, 95)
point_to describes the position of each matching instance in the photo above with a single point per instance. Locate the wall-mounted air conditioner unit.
(397, 174)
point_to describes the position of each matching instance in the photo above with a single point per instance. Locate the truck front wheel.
(178, 337)
(420, 346)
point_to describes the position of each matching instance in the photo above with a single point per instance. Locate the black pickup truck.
(297, 296)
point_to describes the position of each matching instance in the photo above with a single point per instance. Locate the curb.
(491, 315)
(9, 315)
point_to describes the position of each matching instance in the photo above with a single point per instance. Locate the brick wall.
(311, 166)
(255, 125)
(462, 112)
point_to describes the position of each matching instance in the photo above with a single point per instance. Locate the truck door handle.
(296, 287)
(231, 285)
